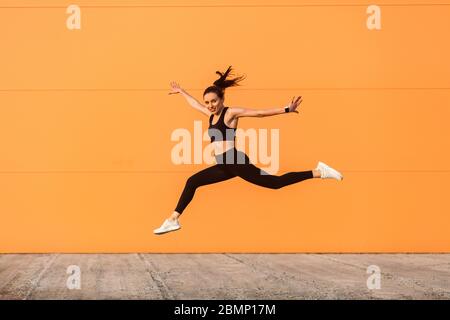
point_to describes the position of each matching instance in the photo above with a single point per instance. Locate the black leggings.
(237, 166)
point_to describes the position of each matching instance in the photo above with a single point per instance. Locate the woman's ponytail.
(222, 83)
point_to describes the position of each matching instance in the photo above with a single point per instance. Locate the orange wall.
(86, 122)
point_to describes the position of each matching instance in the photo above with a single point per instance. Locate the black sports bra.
(220, 131)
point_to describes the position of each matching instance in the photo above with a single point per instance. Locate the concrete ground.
(224, 276)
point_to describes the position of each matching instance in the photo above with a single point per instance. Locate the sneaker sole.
(321, 164)
(336, 173)
(163, 232)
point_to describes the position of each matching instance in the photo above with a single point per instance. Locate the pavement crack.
(149, 267)
(288, 277)
(35, 282)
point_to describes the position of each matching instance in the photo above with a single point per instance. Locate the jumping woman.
(230, 162)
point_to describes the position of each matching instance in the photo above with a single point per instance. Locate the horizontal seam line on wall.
(233, 6)
(169, 171)
(234, 89)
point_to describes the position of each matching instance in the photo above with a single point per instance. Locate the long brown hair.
(222, 83)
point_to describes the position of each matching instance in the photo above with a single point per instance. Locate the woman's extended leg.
(253, 174)
(207, 176)
(241, 166)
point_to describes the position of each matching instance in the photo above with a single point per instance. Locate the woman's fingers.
(295, 101)
(175, 87)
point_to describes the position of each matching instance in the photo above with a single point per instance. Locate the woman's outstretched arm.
(190, 99)
(238, 112)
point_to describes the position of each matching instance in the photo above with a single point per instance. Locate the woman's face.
(213, 102)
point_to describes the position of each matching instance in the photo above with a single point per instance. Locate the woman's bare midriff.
(222, 146)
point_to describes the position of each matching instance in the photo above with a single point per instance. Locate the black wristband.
(286, 109)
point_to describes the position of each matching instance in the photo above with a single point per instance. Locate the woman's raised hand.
(175, 88)
(294, 104)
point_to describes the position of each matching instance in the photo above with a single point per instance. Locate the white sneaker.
(167, 226)
(326, 172)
